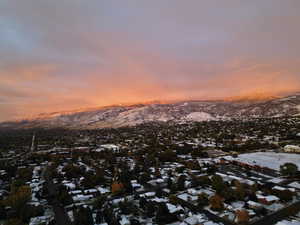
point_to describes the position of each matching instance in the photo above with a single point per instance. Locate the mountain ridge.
(176, 111)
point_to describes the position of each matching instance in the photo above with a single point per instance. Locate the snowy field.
(268, 159)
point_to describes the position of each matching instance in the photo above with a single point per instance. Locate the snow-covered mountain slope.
(118, 116)
(199, 116)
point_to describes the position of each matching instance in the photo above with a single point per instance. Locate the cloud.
(59, 55)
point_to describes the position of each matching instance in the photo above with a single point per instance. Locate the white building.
(110, 147)
(292, 148)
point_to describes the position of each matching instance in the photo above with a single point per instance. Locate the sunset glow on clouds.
(69, 54)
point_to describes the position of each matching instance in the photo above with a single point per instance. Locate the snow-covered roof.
(70, 185)
(194, 219)
(186, 197)
(269, 198)
(124, 221)
(79, 198)
(279, 188)
(156, 199)
(90, 191)
(295, 185)
(286, 222)
(173, 208)
(75, 192)
(276, 180)
(254, 204)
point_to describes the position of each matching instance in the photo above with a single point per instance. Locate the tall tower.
(32, 149)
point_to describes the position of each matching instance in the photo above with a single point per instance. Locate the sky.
(60, 55)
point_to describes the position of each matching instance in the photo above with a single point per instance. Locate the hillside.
(179, 112)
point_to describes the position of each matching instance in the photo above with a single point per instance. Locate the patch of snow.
(210, 223)
(267, 159)
(286, 222)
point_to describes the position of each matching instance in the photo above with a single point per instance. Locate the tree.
(99, 202)
(108, 215)
(14, 222)
(288, 169)
(169, 182)
(195, 182)
(240, 190)
(216, 203)
(168, 156)
(150, 209)
(2, 212)
(127, 185)
(30, 211)
(63, 195)
(99, 217)
(242, 216)
(83, 216)
(18, 198)
(144, 178)
(204, 180)
(173, 199)
(181, 183)
(218, 184)
(117, 187)
(134, 222)
(285, 195)
(202, 200)
(163, 216)
(158, 192)
(25, 174)
(126, 207)
(72, 171)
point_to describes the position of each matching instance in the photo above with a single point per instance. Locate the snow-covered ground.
(199, 116)
(287, 222)
(268, 159)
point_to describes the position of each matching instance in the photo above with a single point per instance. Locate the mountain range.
(178, 112)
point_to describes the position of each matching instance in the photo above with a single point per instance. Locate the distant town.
(208, 173)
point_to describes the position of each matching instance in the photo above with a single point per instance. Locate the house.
(195, 219)
(81, 198)
(173, 208)
(254, 205)
(69, 185)
(295, 185)
(158, 182)
(148, 195)
(91, 191)
(75, 192)
(267, 200)
(103, 190)
(187, 197)
(110, 147)
(215, 153)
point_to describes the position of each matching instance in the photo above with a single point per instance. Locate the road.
(60, 215)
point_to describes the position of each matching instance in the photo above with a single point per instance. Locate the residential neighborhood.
(187, 174)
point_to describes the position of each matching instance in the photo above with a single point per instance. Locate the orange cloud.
(130, 75)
